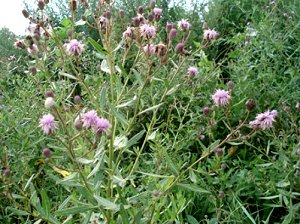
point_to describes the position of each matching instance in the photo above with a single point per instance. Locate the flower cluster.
(264, 120)
(90, 119)
(192, 71)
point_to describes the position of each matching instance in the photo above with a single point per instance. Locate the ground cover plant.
(116, 115)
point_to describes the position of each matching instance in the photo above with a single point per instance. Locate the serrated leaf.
(192, 220)
(85, 161)
(283, 184)
(172, 90)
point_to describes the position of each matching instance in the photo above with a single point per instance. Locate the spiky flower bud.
(41, 4)
(179, 49)
(250, 104)
(49, 93)
(33, 70)
(230, 84)
(25, 13)
(122, 13)
(172, 34)
(47, 153)
(6, 172)
(140, 9)
(206, 111)
(77, 99)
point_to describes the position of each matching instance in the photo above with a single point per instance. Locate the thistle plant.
(121, 117)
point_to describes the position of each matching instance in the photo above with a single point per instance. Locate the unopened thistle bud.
(122, 13)
(77, 99)
(41, 4)
(33, 70)
(250, 104)
(140, 9)
(230, 84)
(150, 17)
(107, 14)
(47, 153)
(169, 26)
(25, 13)
(172, 34)
(73, 5)
(152, 4)
(83, 17)
(179, 49)
(6, 172)
(206, 111)
(49, 93)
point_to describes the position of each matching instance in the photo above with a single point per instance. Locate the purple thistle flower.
(48, 124)
(149, 49)
(264, 120)
(33, 49)
(184, 25)
(157, 13)
(74, 47)
(101, 125)
(221, 98)
(147, 31)
(89, 119)
(210, 34)
(128, 34)
(192, 71)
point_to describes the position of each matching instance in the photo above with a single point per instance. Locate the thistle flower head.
(147, 31)
(264, 120)
(101, 125)
(192, 71)
(89, 119)
(48, 124)
(149, 49)
(128, 34)
(221, 98)
(210, 34)
(157, 13)
(184, 25)
(74, 47)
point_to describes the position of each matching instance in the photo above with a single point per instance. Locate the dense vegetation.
(150, 112)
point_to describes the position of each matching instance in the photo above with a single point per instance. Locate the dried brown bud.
(41, 4)
(206, 111)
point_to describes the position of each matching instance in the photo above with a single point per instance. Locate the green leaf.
(193, 188)
(28, 182)
(192, 220)
(80, 23)
(246, 212)
(67, 23)
(106, 203)
(128, 103)
(97, 46)
(74, 210)
(134, 140)
(151, 108)
(67, 75)
(45, 203)
(18, 211)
